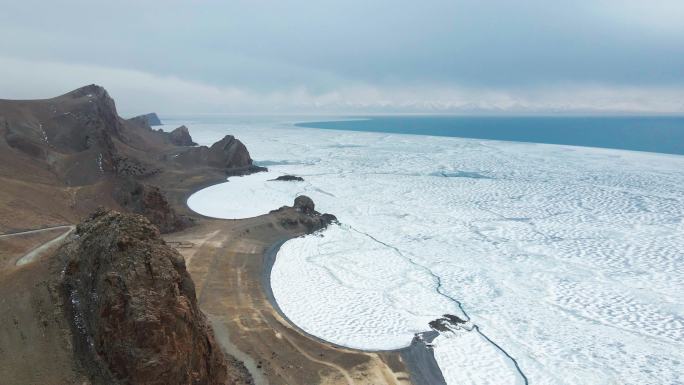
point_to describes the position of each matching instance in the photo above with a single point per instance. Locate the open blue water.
(653, 134)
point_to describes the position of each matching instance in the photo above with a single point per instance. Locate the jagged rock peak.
(97, 107)
(91, 91)
(133, 306)
(229, 153)
(181, 137)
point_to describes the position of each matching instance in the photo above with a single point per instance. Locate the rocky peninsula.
(125, 284)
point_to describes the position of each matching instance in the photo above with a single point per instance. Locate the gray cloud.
(313, 50)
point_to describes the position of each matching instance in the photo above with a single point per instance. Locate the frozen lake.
(570, 259)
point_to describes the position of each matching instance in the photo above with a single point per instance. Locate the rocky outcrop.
(150, 119)
(446, 323)
(181, 137)
(126, 166)
(142, 125)
(149, 201)
(304, 204)
(303, 213)
(133, 308)
(228, 154)
(288, 178)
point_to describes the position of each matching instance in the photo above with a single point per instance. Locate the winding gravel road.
(36, 252)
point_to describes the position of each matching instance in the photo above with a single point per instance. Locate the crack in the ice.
(440, 291)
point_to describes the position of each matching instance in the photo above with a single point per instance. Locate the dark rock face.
(181, 137)
(74, 133)
(150, 119)
(149, 201)
(289, 178)
(133, 307)
(100, 109)
(229, 153)
(90, 123)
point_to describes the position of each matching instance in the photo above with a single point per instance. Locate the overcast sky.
(350, 56)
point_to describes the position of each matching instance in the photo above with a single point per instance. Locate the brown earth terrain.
(61, 159)
(227, 261)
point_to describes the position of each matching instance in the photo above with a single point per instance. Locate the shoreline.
(224, 241)
(226, 264)
(418, 356)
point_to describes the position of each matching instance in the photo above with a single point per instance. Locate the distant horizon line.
(163, 115)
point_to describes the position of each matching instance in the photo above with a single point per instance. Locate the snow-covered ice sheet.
(231, 200)
(571, 259)
(468, 358)
(340, 266)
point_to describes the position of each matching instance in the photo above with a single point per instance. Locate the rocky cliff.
(150, 119)
(76, 144)
(73, 134)
(227, 154)
(181, 137)
(133, 308)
